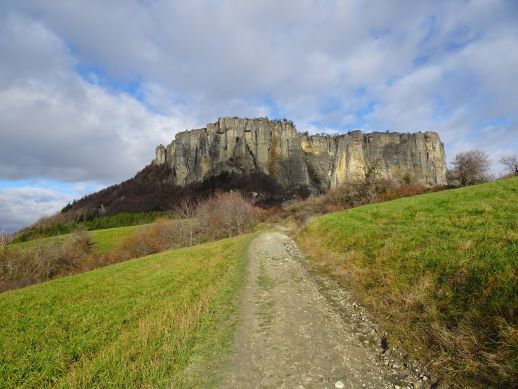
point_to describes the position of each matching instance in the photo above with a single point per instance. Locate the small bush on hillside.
(510, 164)
(186, 208)
(224, 215)
(161, 235)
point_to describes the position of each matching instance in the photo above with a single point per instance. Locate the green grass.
(441, 271)
(139, 323)
(124, 219)
(105, 239)
(57, 228)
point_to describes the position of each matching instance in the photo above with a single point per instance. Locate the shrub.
(224, 215)
(43, 261)
(160, 236)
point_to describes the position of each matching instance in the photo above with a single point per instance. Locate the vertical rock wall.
(315, 162)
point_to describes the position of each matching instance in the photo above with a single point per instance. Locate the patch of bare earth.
(292, 335)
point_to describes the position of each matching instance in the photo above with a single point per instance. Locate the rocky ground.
(300, 331)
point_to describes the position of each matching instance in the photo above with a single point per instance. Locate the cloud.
(22, 206)
(60, 126)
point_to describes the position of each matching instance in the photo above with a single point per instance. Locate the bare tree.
(187, 207)
(510, 163)
(471, 167)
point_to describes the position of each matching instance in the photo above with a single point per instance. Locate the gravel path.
(292, 336)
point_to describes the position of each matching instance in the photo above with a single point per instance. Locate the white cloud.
(56, 125)
(22, 206)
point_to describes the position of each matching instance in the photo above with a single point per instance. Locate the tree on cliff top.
(470, 167)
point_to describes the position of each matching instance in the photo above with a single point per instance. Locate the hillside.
(104, 240)
(440, 270)
(137, 323)
(152, 191)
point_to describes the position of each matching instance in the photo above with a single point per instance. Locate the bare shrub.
(510, 163)
(187, 206)
(159, 236)
(364, 187)
(470, 167)
(225, 215)
(353, 194)
(21, 266)
(5, 239)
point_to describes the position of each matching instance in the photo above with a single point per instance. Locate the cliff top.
(226, 123)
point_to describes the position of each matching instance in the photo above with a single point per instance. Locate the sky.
(89, 88)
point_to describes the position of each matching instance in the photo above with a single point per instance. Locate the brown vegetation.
(25, 266)
(159, 236)
(354, 194)
(225, 215)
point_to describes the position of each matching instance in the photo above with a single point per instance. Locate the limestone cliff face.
(294, 160)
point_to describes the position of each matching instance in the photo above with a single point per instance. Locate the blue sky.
(88, 89)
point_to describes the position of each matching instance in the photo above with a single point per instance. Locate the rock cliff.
(298, 160)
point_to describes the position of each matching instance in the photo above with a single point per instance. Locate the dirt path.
(291, 336)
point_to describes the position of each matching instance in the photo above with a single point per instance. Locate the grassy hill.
(104, 240)
(440, 269)
(134, 324)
